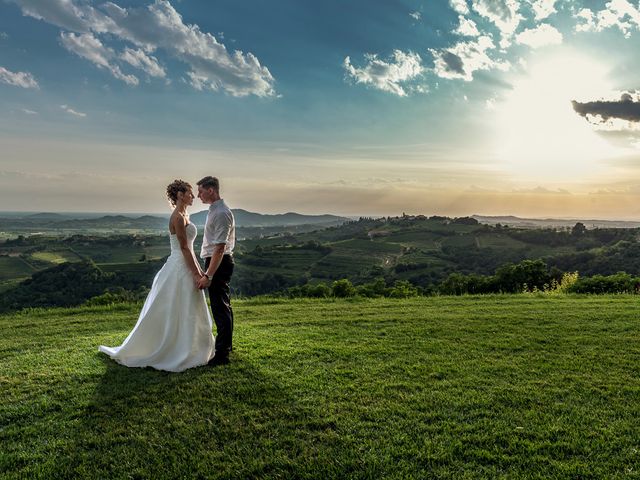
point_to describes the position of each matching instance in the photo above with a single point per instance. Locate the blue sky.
(351, 107)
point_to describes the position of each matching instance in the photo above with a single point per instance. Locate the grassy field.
(441, 387)
(56, 256)
(14, 268)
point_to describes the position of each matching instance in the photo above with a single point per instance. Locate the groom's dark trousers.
(220, 297)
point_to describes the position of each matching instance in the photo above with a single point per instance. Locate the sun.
(538, 134)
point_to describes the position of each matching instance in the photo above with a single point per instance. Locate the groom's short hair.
(209, 182)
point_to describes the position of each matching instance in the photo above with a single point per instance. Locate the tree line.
(79, 283)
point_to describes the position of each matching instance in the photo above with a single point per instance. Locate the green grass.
(368, 247)
(118, 254)
(344, 264)
(443, 387)
(158, 251)
(56, 256)
(498, 240)
(14, 268)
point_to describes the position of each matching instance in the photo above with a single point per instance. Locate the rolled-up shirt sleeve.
(220, 228)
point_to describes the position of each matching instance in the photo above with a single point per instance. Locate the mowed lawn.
(441, 387)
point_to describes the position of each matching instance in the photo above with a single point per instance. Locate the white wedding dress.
(174, 330)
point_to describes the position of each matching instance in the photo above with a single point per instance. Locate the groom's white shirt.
(219, 228)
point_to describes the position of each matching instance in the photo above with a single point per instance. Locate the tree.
(377, 288)
(528, 273)
(403, 289)
(578, 229)
(465, 221)
(64, 285)
(343, 288)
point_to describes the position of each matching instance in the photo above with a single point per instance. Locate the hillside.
(448, 387)
(245, 218)
(43, 222)
(513, 221)
(423, 251)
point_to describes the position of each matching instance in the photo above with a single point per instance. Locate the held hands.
(203, 282)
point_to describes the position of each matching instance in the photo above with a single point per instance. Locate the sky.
(350, 107)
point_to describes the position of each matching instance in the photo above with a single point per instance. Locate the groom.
(217, 249)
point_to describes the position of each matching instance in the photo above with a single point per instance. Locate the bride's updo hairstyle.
(175, 187)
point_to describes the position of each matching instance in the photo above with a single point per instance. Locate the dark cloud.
(498, 8)
(625, 108)
(453, 62)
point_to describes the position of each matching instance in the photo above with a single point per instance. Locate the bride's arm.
(195, 260)
(181, 233)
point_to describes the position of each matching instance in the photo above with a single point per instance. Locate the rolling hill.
(244, 218)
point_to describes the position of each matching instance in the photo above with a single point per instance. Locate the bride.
(174, 329)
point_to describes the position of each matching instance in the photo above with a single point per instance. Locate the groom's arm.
(220, 227)
(216, 259)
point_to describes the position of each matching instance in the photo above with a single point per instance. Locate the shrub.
(459, 284)
(117, 295)
(528, 274)
(403, 289)
(565, 284)
(377, 288)
(619, 283)
(343, 288)
(320, 290)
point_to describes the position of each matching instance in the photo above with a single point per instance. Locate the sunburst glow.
(539, 134)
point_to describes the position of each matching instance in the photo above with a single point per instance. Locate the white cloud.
(415, 15)
(586, 21)
(4, 35)
(198, 82)
(540, 36)
(543, 8)
(504, 15)
(159, 26)
(387, 76)
(73, 112)
(617, 13)
(29, 112)
(90, 48)
(467, 27)
(66, 14)
(18, 79)
(87, 47)
(464, 58)
(141, 60)
(460, 6)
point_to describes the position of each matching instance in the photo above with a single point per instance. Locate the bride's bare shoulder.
(177, 221)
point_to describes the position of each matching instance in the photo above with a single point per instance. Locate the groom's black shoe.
(215, 361)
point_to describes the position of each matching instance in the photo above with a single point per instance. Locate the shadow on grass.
(226, 422)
